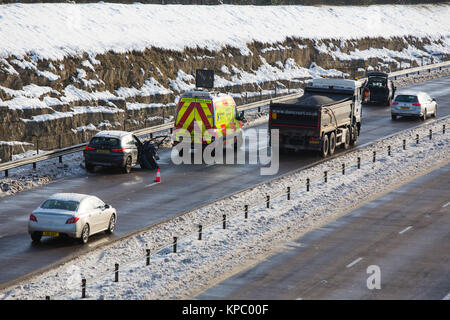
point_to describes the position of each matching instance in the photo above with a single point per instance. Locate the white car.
(414, 105)
(71, 214)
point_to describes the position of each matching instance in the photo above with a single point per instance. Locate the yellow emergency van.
(214, 114)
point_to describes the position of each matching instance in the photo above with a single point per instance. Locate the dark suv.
(378, 89)
(112, 149)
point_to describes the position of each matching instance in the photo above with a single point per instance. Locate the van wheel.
(325, 146)
(435, 112)
(332, 143)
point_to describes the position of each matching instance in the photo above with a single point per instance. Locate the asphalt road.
(404, 233)
(141, 203)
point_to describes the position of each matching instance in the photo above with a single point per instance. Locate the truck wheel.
(354, 135)
(332, 143)
(325, 146)
(347, 139)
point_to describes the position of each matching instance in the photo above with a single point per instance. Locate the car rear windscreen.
(377, 82)
(105, 142)
(406, 98)
(60, 205)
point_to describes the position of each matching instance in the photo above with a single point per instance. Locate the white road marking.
(354, 262)
(152, 184)
(445, 205)
(404, 230)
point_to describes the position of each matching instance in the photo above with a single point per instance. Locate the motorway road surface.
(141, 203)
(406, 233)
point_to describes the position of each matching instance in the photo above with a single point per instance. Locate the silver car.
(414, 105)
(71, 214)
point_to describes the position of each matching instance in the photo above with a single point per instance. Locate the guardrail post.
(389, 150)
(83, 288)
(325, 176)
(6, 173)
(116, 272)
(417, 138)
(260, 96)
(431, 134)
(343, 168)
(404, 144)
(289, 193)
(47, 297)
(268, 201)
(147, 260)
(34, 165)
(246, 211)
(443, 128)
(359, 162)
(60, 159)
(307, 184)
(199, 232)
(224, 221)
(174, 244)
(374, 156)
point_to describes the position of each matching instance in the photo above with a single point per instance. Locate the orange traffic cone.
(158, 176)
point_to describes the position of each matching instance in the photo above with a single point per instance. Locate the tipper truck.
(328, 115)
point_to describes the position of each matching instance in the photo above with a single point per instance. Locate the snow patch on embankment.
(199, 263)
(54, 31)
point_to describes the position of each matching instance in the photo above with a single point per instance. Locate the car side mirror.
(433, 99)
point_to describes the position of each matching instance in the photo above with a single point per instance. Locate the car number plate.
(102, 151)
(407, 108)
(50, 234)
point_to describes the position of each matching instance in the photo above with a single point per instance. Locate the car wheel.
(89, 167)
(112, 224)
(435, 112)
(424, 117)
(85, 234)
(36, 236)
(394, 117)
(325, 146)
(332, 143)
(127, 167)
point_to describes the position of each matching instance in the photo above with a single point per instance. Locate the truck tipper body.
(328, 115)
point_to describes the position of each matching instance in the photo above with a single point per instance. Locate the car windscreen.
(377, 82)
(68, 205)
(406, 98)
(104, 142)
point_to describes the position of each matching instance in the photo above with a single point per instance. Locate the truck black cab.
(326, 116)
(378, 89)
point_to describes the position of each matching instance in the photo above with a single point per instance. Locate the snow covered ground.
(54, 31)
(199, 263)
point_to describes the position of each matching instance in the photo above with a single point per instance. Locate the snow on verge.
(199, 263)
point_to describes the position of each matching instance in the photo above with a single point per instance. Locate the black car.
(119, 149)
(378, 89)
